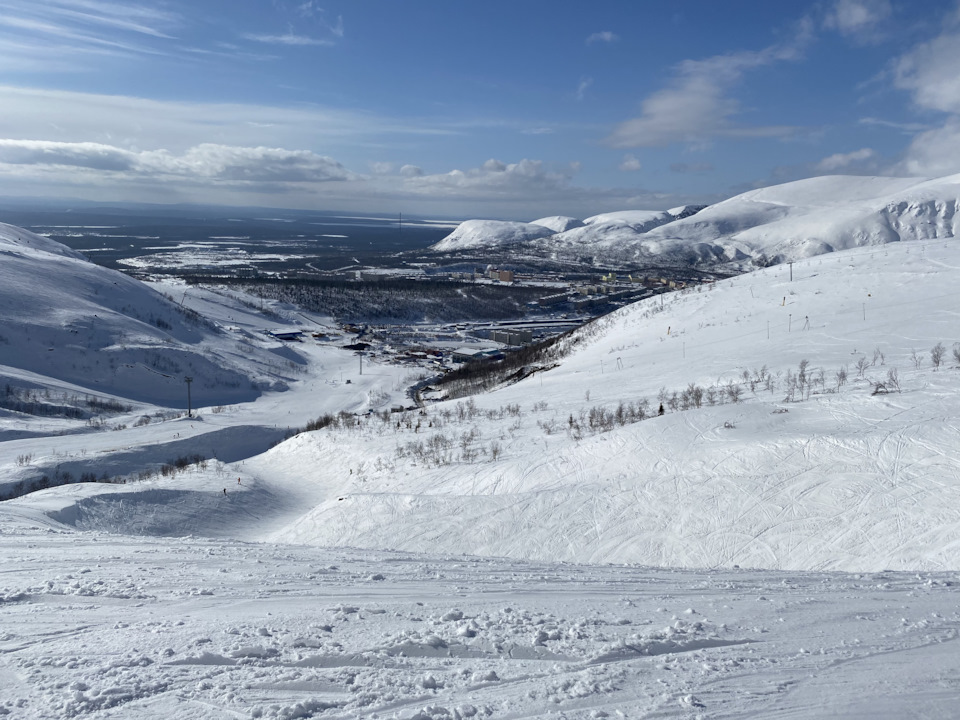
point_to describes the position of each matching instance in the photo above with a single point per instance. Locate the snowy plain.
(793, 554)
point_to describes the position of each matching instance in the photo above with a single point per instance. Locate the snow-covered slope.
(810, 217)
(836, 477)
(824, 475)
(559, 223)
(69, 320)
(474, 234)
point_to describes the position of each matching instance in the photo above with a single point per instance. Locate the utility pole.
(189, 409)
(361, 362)
(791, 272)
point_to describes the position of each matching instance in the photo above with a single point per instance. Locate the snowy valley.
(782, 541)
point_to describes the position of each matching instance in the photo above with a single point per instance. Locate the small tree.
(936, 355)
(916, 359)
(734, 391)
(862, 365)
(841, 377)
(893, 379)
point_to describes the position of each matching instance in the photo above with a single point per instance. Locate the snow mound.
(559, 223)
(475, 234)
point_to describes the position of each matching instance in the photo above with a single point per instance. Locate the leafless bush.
(841, 377)
(734, 391)
(916, 359)
(936, 355)
(893, 379)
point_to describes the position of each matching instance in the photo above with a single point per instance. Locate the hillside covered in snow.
(807, 426)
(100, 332)
(771, 225)
(783, 540)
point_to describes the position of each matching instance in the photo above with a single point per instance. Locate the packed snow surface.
(100, 626)
(770, 546)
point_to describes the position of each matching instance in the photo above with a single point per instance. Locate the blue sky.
(469, 109)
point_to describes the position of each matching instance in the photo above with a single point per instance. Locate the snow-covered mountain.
(99, 330)
(562, 230)
(474, 234)
(767, 226)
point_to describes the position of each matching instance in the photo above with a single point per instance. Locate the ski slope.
(838, 478)
(793, 554)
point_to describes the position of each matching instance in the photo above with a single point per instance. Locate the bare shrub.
(862, 365)
(936, 355)
(916, 359)
(841, 377)
(893, 379)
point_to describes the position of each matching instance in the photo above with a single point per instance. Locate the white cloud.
(289, 38)
(277, 177)
(858, 18)
(630, 163)
(207, 162)
(606, 36)
(582, 87)
(933, 153)
(94, 156)
(495, 179)
(839, 161)
(929, 73)
(138, 123)
(696, 107)
(381, 168)
(72, 35)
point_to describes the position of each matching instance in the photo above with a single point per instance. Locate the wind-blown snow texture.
(772, 225)
(457, 563)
